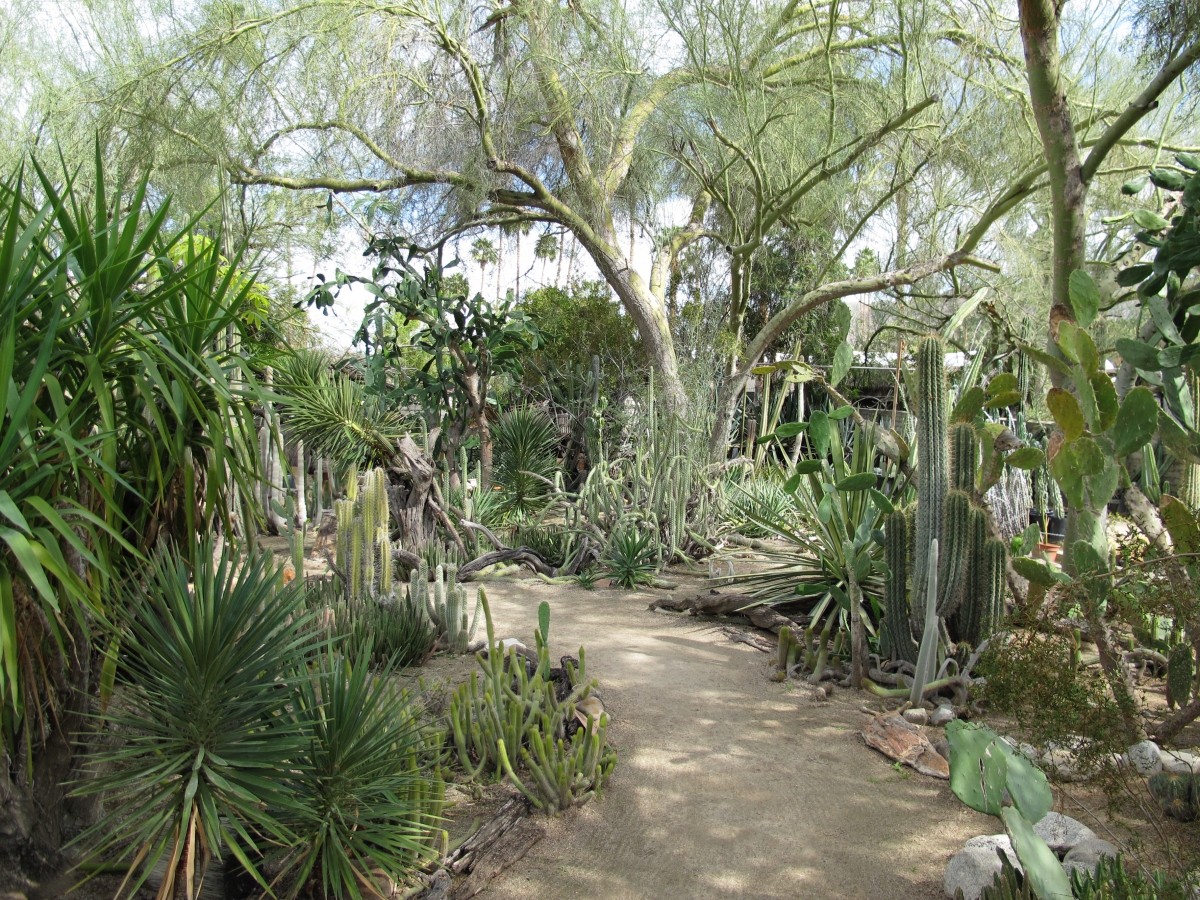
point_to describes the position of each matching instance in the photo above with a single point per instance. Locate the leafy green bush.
(631, 558)
(526, 449)
(556, 544)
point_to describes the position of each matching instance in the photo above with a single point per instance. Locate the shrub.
(211, 671)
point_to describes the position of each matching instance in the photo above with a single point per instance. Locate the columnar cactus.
(364, 547)
(896, 598)
(964, 457)
(952, 565)
(445, 602)
(933, 469)
(976, 608)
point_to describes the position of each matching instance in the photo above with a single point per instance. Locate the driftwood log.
(522, 555)
(486, 853)
(715, 603)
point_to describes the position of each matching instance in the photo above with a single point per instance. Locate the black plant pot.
(1056, 529)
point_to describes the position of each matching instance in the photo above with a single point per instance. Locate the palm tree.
(484, 253)
(545, 249)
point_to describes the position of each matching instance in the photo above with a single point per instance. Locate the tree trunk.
(649, 314)
(485, 453)
(1068, 189)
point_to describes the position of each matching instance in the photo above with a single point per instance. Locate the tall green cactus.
(952, 566)
(976, 607)
(933, 469)
(964, 457)
(997, 582)
(896, 597)
(364, 547)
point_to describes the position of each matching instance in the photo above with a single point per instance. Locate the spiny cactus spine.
(896, 596)
(933, 477)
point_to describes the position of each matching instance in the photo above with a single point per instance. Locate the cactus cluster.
(444, 600)
(504, 715)
(971, 568)
(364, 546)
(813, 652)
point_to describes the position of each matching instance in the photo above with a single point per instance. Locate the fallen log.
(509, 848)
(714, 603)
(461, 858)
(522, 555)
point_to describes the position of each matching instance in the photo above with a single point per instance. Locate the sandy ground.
(727, 785)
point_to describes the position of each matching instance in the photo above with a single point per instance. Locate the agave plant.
(840, 505)
(211, 657)
(368, 801)
(631, 556)
(527, 444)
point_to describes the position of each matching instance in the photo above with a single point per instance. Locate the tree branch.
(1146, 101)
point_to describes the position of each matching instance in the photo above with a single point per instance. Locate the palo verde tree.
(497, 115)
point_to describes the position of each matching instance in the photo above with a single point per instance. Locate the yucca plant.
(526, 444)
(631, 557)
(337, 419)
(765, 495)
(127, 419)
(212, 658)
(368, 798)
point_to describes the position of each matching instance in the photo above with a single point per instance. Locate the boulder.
(1178, 762)
(1062, 833)
(943, 715)
(1146, 758)
(917, 716)
(977, 864)
(1086, 855)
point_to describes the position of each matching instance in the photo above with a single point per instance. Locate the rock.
(1086, 855)
(917, 716)
(1179, 762)
(899, 739)
(1062, 762)
(942, 715)
(1146, 758)
(1062, 833)
(976, 865)
(942, 746)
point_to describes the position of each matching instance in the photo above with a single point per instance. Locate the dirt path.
(727, 785)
